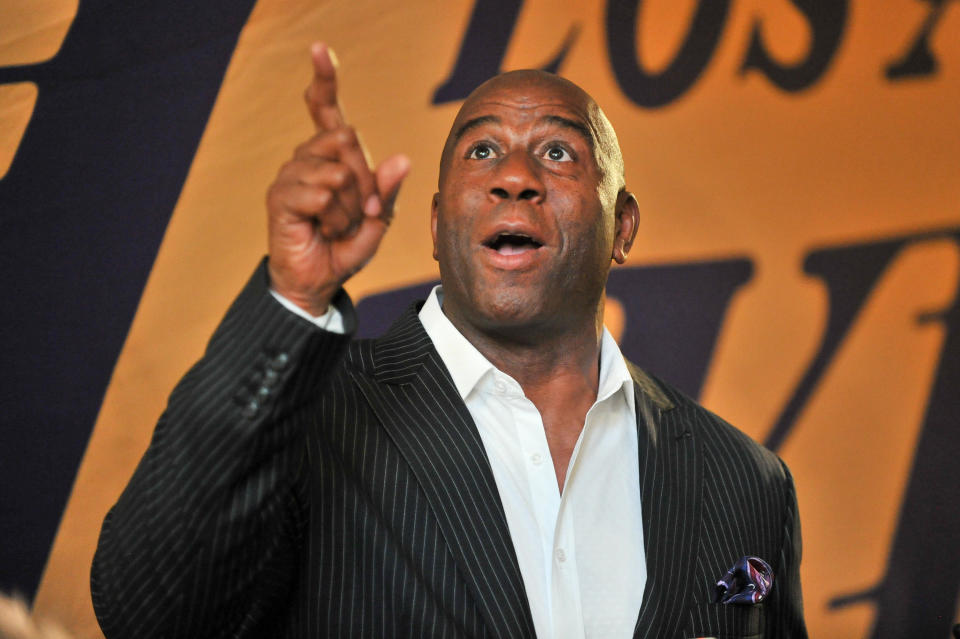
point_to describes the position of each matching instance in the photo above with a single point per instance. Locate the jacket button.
(270, 378)
(279, 362)
(251, 409)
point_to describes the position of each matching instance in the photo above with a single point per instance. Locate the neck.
(543, 356)
(559, 371)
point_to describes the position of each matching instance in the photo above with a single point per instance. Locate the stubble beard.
(520, 313)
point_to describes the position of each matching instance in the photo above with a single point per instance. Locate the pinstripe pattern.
(296, 487)
(710, 496)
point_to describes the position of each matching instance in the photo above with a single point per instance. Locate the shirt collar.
(467, 365)
(614, 374)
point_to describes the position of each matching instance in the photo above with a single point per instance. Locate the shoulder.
(722, 444)
(394, 355)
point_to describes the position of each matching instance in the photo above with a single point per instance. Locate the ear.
(434, 209)
(628, 220)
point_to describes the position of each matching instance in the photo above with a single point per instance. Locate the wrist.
(314, 300)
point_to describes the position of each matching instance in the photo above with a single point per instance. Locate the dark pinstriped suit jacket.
(302, 486)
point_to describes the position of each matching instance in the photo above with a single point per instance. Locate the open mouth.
(512, 243)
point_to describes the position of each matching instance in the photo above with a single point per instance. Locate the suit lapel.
(670, 495)
(415, 399)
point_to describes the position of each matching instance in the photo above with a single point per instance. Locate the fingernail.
(333, 58)
(372, 206)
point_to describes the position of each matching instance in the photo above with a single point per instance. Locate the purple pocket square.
(748, 582)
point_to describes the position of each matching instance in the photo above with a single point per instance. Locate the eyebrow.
(474, 123)
(558, 120)
(576, 125)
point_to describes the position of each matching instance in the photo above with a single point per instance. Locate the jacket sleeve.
(785, 609)
(204, 541)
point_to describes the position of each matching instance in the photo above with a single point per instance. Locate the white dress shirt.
(581, 554)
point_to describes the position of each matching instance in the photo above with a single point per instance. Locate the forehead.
(525, 96)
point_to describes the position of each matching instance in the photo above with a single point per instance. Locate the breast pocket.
(726, 621)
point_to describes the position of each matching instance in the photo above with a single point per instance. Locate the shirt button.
(500, 386)
(536, 458)
(561, 556)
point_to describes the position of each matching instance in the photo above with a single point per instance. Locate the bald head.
(531, 88)
(531, 210)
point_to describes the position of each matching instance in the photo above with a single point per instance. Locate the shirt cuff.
(331, 321)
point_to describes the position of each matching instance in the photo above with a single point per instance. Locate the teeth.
(514, 241)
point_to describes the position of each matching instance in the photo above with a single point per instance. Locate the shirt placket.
(554, 521)
(542, 481)
(567, 612)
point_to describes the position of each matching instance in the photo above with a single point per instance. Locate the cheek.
(590, 221)
(453, 240)
(589, 238)
(458, 215)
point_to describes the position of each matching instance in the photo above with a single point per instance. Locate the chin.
(511, 309)
(498, 305)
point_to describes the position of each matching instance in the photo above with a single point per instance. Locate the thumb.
(365, 242)
(363, 245)
(389, 176)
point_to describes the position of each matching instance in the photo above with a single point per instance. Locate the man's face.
(526, 220)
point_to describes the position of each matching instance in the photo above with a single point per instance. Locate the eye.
(480, 152)
(558, 154)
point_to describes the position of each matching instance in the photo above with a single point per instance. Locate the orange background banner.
(794, 130)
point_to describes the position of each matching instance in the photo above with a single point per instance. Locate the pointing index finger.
(321, 95)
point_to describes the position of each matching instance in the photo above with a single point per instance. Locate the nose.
(517, 177)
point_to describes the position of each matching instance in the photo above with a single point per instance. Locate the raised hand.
(327, 210)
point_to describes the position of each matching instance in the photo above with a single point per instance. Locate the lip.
(513, 228)
(518, 258)
(522, 259)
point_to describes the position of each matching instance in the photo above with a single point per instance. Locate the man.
(302, 486)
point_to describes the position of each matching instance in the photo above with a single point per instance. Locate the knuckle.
(348, 135)
(322, 198)
(273, 196)
(287, 168)
(342, 175)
